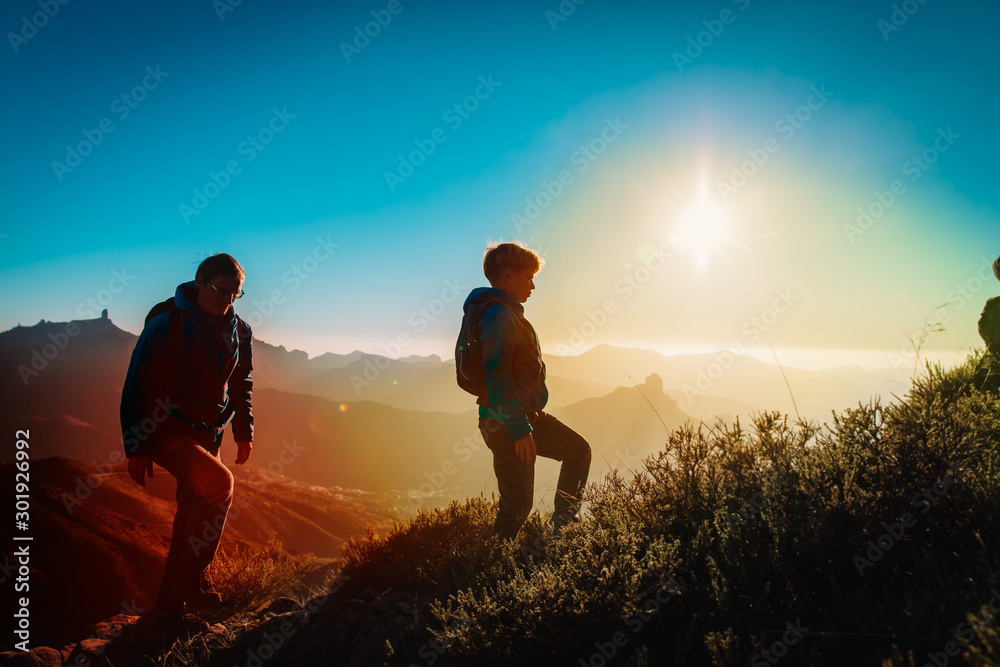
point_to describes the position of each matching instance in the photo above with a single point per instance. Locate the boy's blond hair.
(513, 255)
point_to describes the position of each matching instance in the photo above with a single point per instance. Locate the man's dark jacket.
(204, 382)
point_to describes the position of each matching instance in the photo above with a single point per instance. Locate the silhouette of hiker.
(188, 378)
(988, 371)
(510, 404)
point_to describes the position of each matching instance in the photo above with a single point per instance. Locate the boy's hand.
(243, 450)
(525, 448)
(138, 466)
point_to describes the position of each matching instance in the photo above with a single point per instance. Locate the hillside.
(101, 540)
(867, 543)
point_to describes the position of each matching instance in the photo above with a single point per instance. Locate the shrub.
(873, 536)
(249, 579)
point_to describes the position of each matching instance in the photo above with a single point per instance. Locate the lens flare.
(701, 230)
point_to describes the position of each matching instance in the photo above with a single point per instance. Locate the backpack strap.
(175, 327)
(159, 309)
(176, 324)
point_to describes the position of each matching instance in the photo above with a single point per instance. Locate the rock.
(93, 645)
(43, 656)
(113, 627)
(263, 642)
(282, 606)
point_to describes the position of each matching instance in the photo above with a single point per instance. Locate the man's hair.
(500, 256)
(218, 265)
(996, 268)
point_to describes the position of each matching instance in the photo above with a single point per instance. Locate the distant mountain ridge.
(66, 378)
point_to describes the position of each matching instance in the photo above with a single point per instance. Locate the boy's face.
(517, 283)
(217, 294)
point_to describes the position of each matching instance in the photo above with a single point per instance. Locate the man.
(188, 378)
(510, 410)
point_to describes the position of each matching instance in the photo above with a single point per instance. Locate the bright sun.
(701, 229)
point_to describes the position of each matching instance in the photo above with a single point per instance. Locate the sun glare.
(701, 230)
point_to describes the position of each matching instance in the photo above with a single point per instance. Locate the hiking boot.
(169, 619)
(198, 593)
(178, 624)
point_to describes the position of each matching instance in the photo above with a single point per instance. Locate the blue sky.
(327, 131)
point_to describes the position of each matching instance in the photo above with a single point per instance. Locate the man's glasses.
(232, 296)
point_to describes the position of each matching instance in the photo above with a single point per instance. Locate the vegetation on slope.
(872, 540)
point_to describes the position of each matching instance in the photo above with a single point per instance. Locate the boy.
(510, 413)
(188, 378)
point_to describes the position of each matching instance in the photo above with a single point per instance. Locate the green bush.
(749, 528)
(726, 539)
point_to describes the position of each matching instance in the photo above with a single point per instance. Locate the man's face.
(216, 295)
(520, 283)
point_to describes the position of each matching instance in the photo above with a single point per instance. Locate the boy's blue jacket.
(206, 386)
(512, 356)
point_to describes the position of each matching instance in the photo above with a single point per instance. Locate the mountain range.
(341, 441)
(366, 421)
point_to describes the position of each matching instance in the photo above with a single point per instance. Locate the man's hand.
(525, 448)
(138, 466)
(243, 450)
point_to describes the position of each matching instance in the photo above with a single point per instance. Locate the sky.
(818, 177)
